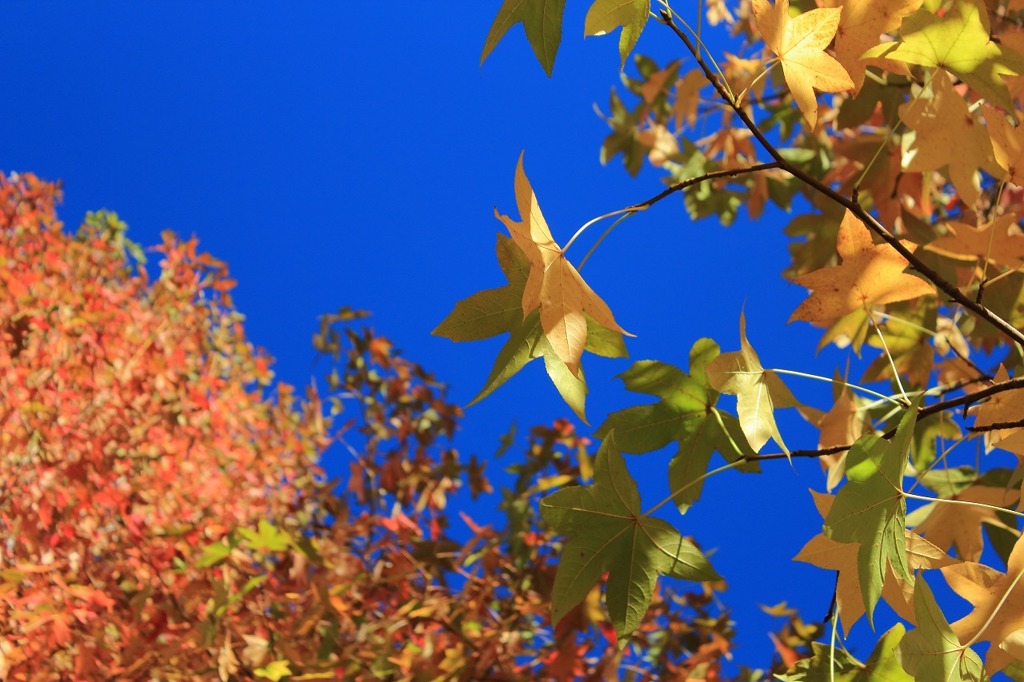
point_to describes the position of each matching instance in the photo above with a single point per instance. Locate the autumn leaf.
(687, 100)
(717, 432)
(684, 400)
(553, 285)
(998, 600)
(932, 651)
(948, 524)
(493, 311)
(497, 311)
(946, 134)
(1007, 145)
(861, 24)
(999, 241)
(870, 508)
(227, 662)
(800, 44)
(960, 42)
(605, 16)
(870, 274)
(542, 21)
(608, 532)
(758, 391)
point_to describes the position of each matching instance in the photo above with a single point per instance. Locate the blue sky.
(352, 154)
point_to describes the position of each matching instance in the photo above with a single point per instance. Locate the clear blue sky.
(352, 153)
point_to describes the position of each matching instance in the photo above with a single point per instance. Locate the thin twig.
(689, 182)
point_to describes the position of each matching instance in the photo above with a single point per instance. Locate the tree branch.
(996, 426)
(713, 175)
(967, 399)
(870, 221)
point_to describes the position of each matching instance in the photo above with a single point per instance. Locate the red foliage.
(135, 432)
(163, 515)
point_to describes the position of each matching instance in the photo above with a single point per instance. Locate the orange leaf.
(999, 241)
(554, 286)
(998, 600)
(800, 43)
(947, 134)
(870, 274)
(861, 24)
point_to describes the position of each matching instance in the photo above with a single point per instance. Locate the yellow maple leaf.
(800, 43)
(1007, 145)
(861, 25)
(947, 134)
(959, 525)
(870, 274)
(1000, 242)
(554, 287)
(998, 599)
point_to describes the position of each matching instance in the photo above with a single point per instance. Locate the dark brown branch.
(995, 426)
(968, 398)
(834, 450)
(870, 221)
(713, 175)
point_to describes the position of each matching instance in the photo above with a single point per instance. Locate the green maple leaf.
(605, 16)
(493, 311)
(608, 533)
(266, 538)
(814, 239)
(882, 666)
(685, 413)
(932, 651)
(959, 42)
(623, 138)
(542, 21)
(685, 400)
(870, 508)
(497, 311)
(758, 391)
(276, 670)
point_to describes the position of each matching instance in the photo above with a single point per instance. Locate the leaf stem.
(647, 203)
(707, 474)
(588, 224)
(771, 65)
(964, 502)
(885, 347)
(601, 239)
(818, 377)
(832, 651)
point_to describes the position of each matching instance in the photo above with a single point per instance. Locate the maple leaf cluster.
(893, 130)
